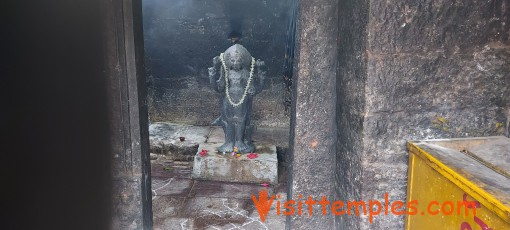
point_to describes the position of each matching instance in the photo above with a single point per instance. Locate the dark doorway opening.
(180, 40)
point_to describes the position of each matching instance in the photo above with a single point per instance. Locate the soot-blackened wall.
(181, 38)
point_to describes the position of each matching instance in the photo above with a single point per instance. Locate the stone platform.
(165, 139)
(219, 167)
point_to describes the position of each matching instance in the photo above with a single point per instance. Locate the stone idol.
(238, 77)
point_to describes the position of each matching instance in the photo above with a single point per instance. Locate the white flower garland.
(227, 92)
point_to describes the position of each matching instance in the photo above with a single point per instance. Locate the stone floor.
(180, 202)
(165, 139)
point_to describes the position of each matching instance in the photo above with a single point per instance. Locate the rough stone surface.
(262, 135)
(219, 167)
(164, 139)
(204, 188)
(181, 39)
(211, 213)
(180, 202)
(165, 168)
(165, 143)
(416, 70)
(351, 77)
(407, 26)
(313, 136)
(172, 186)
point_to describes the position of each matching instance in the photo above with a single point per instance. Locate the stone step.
(165, 137)
(225, 167)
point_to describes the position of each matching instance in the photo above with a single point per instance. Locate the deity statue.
(238, 77)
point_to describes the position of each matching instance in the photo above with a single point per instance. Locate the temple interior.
(180, 42)
(181, 39)
(372, 114)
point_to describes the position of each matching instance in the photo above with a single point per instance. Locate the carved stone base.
(220, 167)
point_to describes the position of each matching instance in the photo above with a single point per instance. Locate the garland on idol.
(227, 92)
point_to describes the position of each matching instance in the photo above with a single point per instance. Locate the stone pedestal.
(225, 167)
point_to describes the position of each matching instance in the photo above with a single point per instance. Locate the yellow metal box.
(459, 184)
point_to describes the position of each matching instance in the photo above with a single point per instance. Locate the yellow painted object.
(459, 183)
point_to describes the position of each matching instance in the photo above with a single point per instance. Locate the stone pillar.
(132, 206)
(313, 137)
(351, 78)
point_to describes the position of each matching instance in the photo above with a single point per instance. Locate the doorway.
(180, 41)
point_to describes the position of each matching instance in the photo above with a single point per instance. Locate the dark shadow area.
(55, 166)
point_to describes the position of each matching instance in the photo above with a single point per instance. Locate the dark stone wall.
(434, 69)
(181, 38)
(351, 78)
